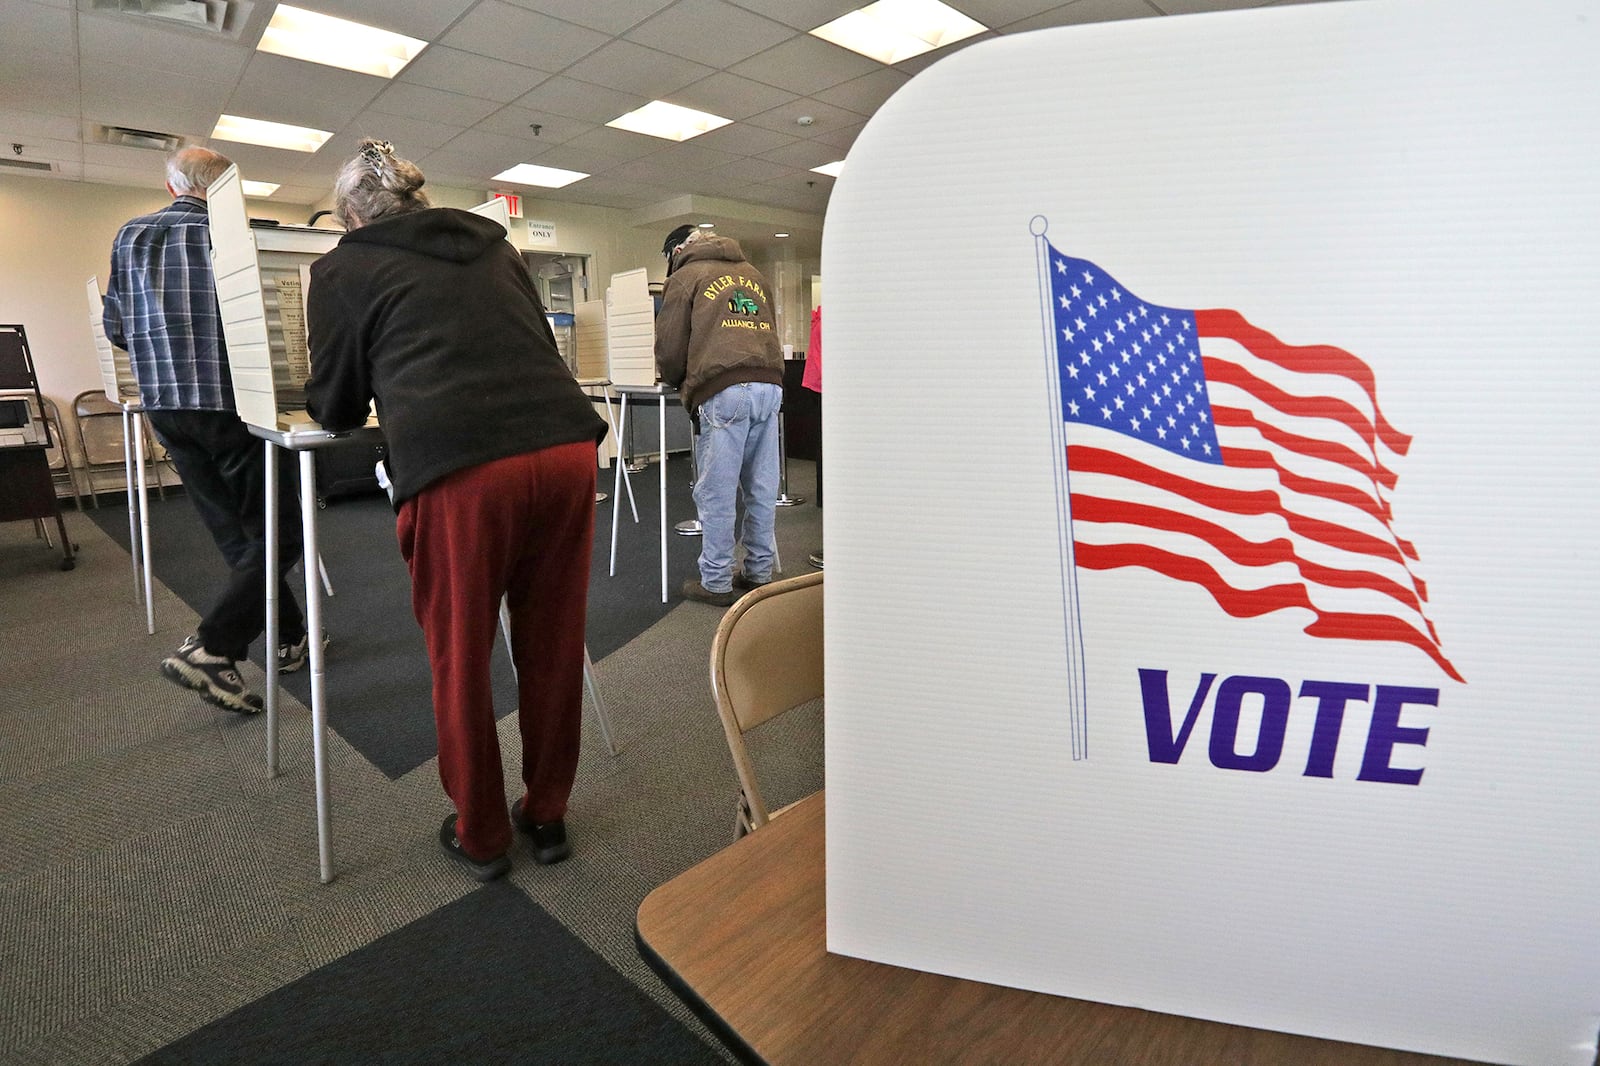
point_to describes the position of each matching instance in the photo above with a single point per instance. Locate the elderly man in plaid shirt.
(161, 306)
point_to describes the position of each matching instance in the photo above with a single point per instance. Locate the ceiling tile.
(46, 149)
(32, 28)
(516, 35)
(111, 90)
(580, 100)
(304, 94)
(864, 95)
(471, 75)
(424, 19)
(1081, 12)
(712, 32)
(996, 14)
(137, 42)
(605, 192)
(786, 119)
(841, 138)
(804, 15)
(802, 155)
(435, 104)
(491, 153)
(606, 147)
(612, 16)
(731, 96)
(805, 65)
(17, 123)
(917, 64)
(517, 122)
(410, 135)
(48, 88)
(693, 157)
(116, 155)
(1190, 7)
(140, 178)
(742, 139)
(635, 69)
(751, 171)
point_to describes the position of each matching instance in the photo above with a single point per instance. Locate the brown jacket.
(716, 326)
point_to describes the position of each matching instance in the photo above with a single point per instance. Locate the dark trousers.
(518, 528)
(223, 471)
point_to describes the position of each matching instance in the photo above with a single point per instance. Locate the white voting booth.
(1228, 651)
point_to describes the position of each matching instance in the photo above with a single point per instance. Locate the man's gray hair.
(375, 184)
(191, 170)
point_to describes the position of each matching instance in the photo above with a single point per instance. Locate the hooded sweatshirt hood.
(725, 249)
(441, 232)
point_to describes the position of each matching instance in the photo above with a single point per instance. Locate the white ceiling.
(463, 110)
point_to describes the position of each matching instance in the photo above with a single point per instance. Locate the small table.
(741, 938)
(662, 395)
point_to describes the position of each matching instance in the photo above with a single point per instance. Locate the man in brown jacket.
(717, 343)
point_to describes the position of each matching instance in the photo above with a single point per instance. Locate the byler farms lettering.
(1167, 740)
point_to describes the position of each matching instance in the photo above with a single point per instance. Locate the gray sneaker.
(292, 657)
(216, 678)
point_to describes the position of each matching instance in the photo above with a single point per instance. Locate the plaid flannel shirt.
(161, 306)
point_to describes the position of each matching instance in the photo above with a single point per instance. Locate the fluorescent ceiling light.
(335, 42)
(260, 189)
(544, 177)
(830, 169)
(892, 30)
(668, 121)
(780, 234)
(270, 134)
(708, 225)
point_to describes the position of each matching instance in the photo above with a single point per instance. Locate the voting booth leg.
(691, 527)
(617, 486)
(271, 518)
(622, 467)
(784, 499)
(133, 508)
(661, 426)
(593, 686)
(319, 710)
(588, 678)
(144, 523)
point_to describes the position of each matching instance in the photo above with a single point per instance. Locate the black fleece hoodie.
(432, 313)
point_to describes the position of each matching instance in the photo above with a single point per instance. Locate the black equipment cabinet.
(347, 469)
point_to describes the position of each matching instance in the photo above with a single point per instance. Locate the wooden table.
(741, 938)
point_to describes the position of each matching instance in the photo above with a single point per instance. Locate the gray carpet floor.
(155, 879)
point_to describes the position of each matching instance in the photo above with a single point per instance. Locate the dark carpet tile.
(490, 978)
(385, 713)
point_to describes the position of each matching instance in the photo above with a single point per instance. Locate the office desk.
(741, 938)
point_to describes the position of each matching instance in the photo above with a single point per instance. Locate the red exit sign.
(513, 203)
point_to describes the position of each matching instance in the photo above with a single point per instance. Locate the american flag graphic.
(1202, 447)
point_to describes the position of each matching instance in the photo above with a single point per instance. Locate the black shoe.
(216, 678)
(693, 590)
(742, 580)
(549, 838)
(487, 870)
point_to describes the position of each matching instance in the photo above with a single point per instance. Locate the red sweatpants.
(521, 528)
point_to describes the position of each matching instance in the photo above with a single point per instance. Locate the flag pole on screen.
(1071, 617)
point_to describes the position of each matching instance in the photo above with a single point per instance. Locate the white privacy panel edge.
(244, 315)
(1359, 176)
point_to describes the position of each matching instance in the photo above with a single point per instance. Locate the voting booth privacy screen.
(1212, 502)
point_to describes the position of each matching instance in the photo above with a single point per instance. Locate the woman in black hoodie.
(430, 312)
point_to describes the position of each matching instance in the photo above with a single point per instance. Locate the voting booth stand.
(1234, 657)
(116, 378)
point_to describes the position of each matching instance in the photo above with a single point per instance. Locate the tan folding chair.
(99, 424)
(766, 659)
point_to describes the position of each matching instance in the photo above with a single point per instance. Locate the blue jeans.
(736, 460)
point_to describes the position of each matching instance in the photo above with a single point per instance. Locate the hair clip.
(374, 151)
